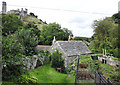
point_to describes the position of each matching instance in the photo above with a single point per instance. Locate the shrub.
(12, 53)
(46, 55)
(10, 23)
(28, 40)
(11, 72)
(27, 79)
(116, 52)
(58, 61)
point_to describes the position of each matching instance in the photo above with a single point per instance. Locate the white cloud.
(79, 23)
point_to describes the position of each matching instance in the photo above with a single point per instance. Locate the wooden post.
(76, 71)
(100, 78)
(77, 63)
(108, 81)
(95, 76)
(75, 76)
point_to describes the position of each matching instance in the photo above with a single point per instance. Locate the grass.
(85, 59)
(8, 83)
(109, 71)
(46, 74)
(118, 59)
(30, 19)
(106, 70)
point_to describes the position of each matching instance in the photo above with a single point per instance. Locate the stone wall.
(30, 63)
(110, 61)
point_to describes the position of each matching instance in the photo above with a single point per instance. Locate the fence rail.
(99, 79)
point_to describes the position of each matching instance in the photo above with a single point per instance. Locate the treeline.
(106, 35)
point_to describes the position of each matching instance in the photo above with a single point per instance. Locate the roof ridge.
(69, 41)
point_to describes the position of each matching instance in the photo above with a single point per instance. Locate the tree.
(58, 61)
(28, 40)
(105, 36)
(10, 23)
(66, 33)
(12, 54)
(34, 29)
(32, 14)
(51, 30)
(116, 17)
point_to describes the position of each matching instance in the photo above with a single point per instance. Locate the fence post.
(75, 76)
(76, 71)
(100, 78)
(108, 80)
(95, 76)
(77, 63)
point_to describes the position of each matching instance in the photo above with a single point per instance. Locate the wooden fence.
(76, 70)
(101, 80)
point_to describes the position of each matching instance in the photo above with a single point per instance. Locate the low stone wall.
(30, 63)
(110, 61)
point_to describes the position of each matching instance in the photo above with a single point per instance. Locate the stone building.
(4, 7)
(18, 12)
(70, 50)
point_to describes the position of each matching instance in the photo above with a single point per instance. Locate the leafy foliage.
(12, 52)
(58, 61)
(28, 40)
(51, 30)
(105, 36)
(10, 23)
(32, 14)
(34, 29)
(27, 79)
(46, 56)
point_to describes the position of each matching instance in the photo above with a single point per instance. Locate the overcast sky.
(76, 15)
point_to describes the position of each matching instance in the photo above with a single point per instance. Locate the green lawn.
(46, 74)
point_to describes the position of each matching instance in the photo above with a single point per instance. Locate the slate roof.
(72, 48)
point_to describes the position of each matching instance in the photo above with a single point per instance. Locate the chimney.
(69, 39)
(54, 40)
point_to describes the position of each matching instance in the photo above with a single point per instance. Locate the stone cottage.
(70, 49)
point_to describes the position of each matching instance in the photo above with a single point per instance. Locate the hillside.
(34, 20)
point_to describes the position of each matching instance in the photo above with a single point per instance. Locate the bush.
(47, 56)
(28, 40)
(11, 72)
(10, 23)
(27, 79)
(58, 61)
(116, 53)
(12, 53)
